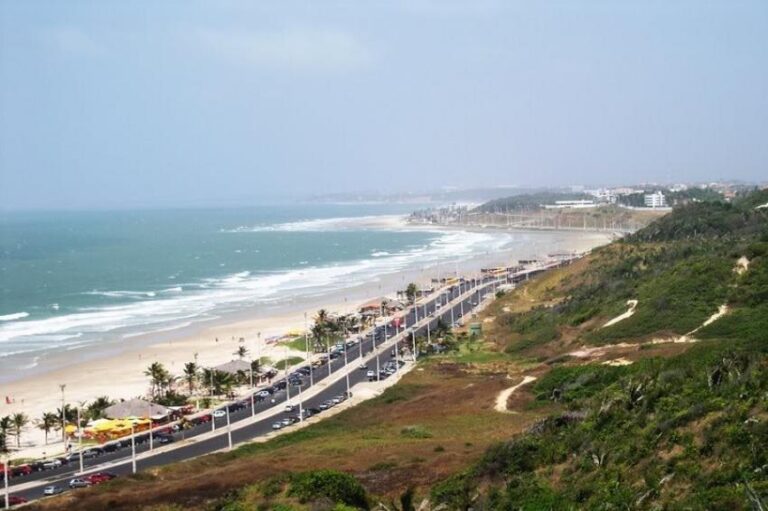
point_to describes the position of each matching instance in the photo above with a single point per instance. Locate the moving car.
(164, 439)
(277, 425)
(92, 452)
(49, 464)
(79, 483)
(100, 477)
(52, 490)
(14, 500)
(219, 413)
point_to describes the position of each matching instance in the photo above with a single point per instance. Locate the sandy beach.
(119, 373)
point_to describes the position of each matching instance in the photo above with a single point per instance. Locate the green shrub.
(331, 484)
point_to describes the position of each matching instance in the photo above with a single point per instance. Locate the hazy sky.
(113, 103)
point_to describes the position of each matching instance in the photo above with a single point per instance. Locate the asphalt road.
(122, 457)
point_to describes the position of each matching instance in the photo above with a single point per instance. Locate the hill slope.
(666, 407)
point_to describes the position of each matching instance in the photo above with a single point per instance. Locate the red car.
(100, 477)
(15, 500)
(21, 470)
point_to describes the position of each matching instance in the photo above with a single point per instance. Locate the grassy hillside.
(657, 411)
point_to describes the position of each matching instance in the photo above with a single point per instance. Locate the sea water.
(73, 279)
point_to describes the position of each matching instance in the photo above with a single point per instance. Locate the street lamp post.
(346, 369)
(287, 382)
(133, 447)
(309, 358)
(253, 404)
(301, 405)
(213, 419)
(413, 335)
(79, 440)
(63, 386)
(149, 418)
(229, 429)
(6, 469)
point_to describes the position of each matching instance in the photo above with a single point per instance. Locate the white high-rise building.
(655, 200)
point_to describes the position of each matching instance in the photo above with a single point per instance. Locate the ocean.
(70, 280)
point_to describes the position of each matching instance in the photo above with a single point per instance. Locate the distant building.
(603, 195)
(655, 200)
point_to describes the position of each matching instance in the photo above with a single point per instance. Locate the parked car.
(289, 408)
(371, 374)
(79, 483)
(218, 414)
(52, 490)
(263, 394)
(277, 425)
(363, 366)
(287, 421)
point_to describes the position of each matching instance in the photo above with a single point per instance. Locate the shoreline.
(117, 370)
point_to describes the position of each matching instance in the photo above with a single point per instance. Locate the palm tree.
(5, 427)
(410, 292)
(256, 367)
(19, 421)
(319, 332)
(95, 410)
(353, 323)
(49, 421)
(322, 317)
(241, 352)
(217, 382)
(191, 375)
(158, 375)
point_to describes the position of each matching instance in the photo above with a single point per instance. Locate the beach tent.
(137, 408)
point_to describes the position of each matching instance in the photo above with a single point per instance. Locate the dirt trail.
(742, 265)
(632, 305)
(503, 397)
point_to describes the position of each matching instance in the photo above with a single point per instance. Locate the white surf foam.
(328, 224)
(15, 316)
(176, 307)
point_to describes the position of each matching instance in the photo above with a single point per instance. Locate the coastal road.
(119, 462)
